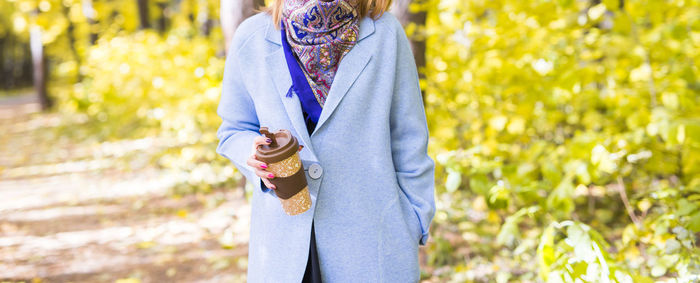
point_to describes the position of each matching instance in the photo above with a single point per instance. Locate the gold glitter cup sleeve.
(282, 159)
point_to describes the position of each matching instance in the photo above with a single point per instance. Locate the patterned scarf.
(320, 33)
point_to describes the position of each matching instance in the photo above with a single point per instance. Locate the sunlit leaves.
(157, 80)
(549, 103)
(571, 252)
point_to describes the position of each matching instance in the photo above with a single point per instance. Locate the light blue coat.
(374, 200)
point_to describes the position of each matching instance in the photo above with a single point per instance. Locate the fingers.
(261, 140)
(259, 168)
(255, 163)
(269, 184)
(265, 176)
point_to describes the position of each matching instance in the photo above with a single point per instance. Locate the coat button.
(315, 171)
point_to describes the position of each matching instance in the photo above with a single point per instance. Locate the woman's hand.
(259, 167)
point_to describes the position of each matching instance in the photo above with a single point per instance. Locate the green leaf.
(479, 184)
(694, 222)
(685, 207)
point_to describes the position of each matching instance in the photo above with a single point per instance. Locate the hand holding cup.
(259, 167)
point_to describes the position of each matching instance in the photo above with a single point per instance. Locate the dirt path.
(68, 213)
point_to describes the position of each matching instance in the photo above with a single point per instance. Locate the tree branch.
(625, 201)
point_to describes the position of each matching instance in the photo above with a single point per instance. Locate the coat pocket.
(410, 216)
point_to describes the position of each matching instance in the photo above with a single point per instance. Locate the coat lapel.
(350, 68)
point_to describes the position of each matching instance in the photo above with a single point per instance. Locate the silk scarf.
(320, 33)
(309, 105)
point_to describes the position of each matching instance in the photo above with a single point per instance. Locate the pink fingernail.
(270, 175)
(263, 166)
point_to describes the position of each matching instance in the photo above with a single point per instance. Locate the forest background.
(566, 135)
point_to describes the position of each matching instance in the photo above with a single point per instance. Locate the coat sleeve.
(415, 169)
(239, 124)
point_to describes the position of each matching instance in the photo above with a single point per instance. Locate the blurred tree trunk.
(203, 19)
(39, 64)
(162, 19)
(71, 40)
(143, 14)
(13, 63)
(5, 74)
(400, 8)
(89, 12)
(233, 12)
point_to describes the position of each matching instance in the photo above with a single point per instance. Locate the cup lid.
(283, 145)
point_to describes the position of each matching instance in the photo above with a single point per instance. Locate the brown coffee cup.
(282, 159)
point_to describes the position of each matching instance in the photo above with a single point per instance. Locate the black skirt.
(313, 271)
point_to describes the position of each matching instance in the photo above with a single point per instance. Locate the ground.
(70, 213)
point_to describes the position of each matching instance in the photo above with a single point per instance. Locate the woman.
(341, 77)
